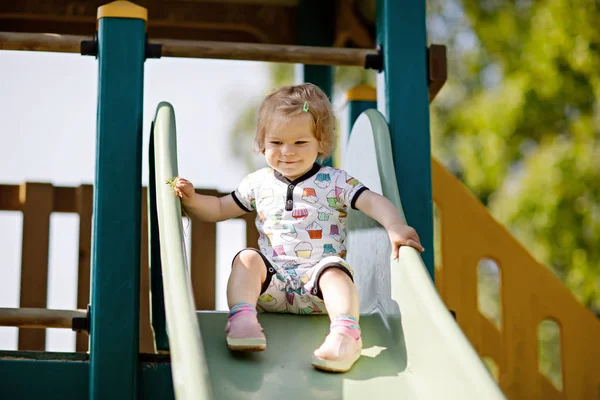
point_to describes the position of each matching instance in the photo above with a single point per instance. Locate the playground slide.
(413, 349)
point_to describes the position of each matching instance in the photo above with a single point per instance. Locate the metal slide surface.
(413, 349)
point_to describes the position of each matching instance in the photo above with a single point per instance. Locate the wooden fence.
(37, 201)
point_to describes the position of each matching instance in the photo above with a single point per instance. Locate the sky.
(48, 134)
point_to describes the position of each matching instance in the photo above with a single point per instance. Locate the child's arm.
(205, 208)
(383, 211)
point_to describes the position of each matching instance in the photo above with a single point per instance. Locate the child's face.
(290, 147)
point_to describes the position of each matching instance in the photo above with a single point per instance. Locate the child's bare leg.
(339, 294)
(342, 346)
(248, 274)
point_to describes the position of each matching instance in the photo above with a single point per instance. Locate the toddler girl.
(301, 211)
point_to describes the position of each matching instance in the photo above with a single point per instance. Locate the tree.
(518, 123)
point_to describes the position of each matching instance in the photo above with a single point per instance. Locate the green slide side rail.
(188, 363)
(439, 361)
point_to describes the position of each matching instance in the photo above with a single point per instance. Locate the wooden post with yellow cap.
(114, 325)
(360, 98)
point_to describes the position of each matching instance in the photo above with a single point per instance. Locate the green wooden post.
(401, 31)
(316, 28)
(117, 203)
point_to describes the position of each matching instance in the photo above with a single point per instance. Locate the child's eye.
(301, 142)
(275, 142)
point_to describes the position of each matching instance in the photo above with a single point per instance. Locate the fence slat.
(203, 263)
(84, 203)
(37, 205)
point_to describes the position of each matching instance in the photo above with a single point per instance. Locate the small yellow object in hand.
(171, 182)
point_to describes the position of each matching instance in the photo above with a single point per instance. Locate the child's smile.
(290, 147)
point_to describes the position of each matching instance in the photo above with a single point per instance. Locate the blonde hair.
(288, 102)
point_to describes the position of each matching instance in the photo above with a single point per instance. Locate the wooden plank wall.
(37, 201)
(530, 294)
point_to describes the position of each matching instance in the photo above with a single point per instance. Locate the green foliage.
(518, 123)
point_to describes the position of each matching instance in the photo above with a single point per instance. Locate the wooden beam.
(196, 49)
(266, 52)
(63, 198)
(39, 317)
(9, 198)
(41, 42)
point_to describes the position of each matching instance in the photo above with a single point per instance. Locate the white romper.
(301, 225)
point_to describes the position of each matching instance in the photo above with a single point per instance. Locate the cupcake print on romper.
(343, 251)
(328, 249)
(323, 180)
(266, 196)
(309, 195)
(334, 197)
(289, 233)
(278, 251)
(353, 182)
(334, 232)
(276, 217)
(300, 213)
(290, 267)
(323, 213)
(303, 250)
(315, 231)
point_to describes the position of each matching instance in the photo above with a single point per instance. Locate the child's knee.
(249, 260)
(334, 275)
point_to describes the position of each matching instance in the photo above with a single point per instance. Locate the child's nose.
(287, 149)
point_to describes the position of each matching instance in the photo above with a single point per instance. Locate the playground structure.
(530, 294)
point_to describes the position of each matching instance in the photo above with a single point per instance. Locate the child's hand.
(183, 188)
(403, 235)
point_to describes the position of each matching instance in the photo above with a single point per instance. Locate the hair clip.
(305, 108)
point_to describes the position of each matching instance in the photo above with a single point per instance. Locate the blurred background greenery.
(518, 122)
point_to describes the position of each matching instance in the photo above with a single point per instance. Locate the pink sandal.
(338, 353)
(244, 333)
